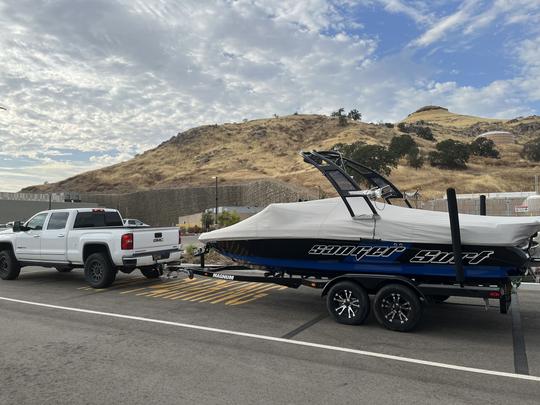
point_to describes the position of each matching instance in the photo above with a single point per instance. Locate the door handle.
(36, 236)
(60, 235)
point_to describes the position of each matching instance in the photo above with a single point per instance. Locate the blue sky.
(89, 83)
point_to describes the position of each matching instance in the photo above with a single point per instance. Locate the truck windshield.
(97, 219)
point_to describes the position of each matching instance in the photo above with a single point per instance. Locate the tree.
(424, 132)
(450, 154)
(531, 150)
(355, 115)
(207, 219)
(415, 159)
(338, 113)
(375, 157)
(401, 145)
(419, 130)
(227, 218)
(484, 147)
(342, 121)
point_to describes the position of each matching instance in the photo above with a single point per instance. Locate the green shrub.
(338, 113)
(207, 220)
(415, 159)
(227, 218)
(401, 145)
(419, 130)
(450, 154)
(484, 147)
(375, 157)
(355, 115)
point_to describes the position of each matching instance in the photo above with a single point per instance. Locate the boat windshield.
(348, 177)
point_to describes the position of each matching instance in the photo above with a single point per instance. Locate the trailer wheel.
(150, 272)
(99, 271)
(348, 303)
(9, 266)
(397, 307)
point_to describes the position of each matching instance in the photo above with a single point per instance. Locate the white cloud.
(418, 11)
(446, 24)
(109, 79)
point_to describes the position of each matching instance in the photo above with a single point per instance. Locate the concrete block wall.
(163, 207)
(14, 210)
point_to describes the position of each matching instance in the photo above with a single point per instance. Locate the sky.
(89, 83)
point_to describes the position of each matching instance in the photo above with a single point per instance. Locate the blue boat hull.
(331, 258)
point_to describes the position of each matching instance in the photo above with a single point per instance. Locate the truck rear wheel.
(348, 303)
(150, 272)
(99, 271)
(9, 266)
(397, 307)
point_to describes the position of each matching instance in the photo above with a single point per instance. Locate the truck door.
(28, 243)
(54, 238)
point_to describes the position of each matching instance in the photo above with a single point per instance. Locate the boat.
(372, 228)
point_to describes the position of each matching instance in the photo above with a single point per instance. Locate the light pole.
(215, 218)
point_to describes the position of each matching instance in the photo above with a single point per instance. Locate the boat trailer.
(398, 299)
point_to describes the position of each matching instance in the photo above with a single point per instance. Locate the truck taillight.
(179, 236)
(127, 241)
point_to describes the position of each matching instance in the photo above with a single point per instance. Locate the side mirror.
(17, 227)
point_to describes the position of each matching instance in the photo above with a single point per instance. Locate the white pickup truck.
(95, 239)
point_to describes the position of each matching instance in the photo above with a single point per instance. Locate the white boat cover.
(329, 219)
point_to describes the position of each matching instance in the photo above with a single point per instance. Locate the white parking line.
(281, 340)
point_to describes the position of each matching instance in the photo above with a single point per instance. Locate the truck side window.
(58, 220)
(36, 223)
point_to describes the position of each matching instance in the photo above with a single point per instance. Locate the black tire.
(63, 269)
(99, 271)
(397, 307)
(150, 272)
(438, 299)
(9, 266)
(348, 303)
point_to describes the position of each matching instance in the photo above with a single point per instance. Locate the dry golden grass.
(444, 117)
(269, 148)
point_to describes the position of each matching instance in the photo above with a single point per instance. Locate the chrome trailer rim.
(396, 308)
(346, 304)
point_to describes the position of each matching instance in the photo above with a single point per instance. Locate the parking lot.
(218, 341)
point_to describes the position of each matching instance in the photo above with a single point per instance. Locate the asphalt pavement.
(209, 341)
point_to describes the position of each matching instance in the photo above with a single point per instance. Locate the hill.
(237, 152)
(440, 115)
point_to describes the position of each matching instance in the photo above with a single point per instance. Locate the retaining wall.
(163, 207)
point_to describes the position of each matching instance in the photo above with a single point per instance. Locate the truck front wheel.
(99, 271)
(9, 266)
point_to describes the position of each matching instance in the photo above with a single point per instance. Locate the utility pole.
(215, 219)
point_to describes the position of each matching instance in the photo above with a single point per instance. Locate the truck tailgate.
(154, 239)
